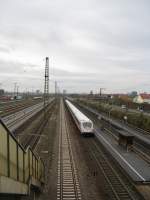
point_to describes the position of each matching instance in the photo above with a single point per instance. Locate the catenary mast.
(46, 83)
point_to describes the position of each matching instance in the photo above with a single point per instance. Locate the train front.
(87, 127)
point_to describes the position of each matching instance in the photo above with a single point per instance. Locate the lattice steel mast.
(46, 84)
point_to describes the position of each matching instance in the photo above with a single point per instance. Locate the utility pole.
(17, 90)
(46, 85)
(55, 89)
(15, 85)
(100, 91)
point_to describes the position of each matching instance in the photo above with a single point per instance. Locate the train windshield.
(87, 124)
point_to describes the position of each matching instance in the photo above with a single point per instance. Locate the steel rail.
(34, 138)
(138, 148)
(118, 189)
(16, 108)
(67, 183)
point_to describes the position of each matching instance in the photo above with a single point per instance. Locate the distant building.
(102, 97)
(91, 93)
(37, 91)
(133, 94)
(142, 98)
(64, 92)
(2, 92)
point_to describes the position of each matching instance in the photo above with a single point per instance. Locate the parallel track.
(15, 107)
(23, 117)
(33, 139)
(67, 183)
(116, 183)
(117, 188)
(141, 149)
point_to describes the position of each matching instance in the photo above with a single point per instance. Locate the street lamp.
(125, 119)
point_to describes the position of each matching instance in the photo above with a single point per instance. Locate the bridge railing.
(16, 162)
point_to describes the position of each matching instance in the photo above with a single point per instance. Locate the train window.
(87, 125)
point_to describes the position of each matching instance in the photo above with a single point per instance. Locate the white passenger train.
(84, 124)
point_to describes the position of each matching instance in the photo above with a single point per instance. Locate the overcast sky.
(90, 43)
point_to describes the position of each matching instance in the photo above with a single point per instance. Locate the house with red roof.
(142, 98)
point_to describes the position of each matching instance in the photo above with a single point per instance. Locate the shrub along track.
(137, 121)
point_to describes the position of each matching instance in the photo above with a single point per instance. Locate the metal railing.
(16, 162)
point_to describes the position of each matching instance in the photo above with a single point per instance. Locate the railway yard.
(74, 100)
(112, 163)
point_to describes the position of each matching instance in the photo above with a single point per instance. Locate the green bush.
(138, 120)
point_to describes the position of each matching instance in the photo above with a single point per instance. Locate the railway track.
(117, 184)
(117, 188)
(33, 138)
(14, 121)
(138, 147)
(15, 107)
(139, 129)
(67, 182)
(123, 124)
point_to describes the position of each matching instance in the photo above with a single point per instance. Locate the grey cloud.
(4, 49)
(89, 42)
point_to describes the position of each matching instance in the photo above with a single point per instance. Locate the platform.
(134, 166)
(125, 139)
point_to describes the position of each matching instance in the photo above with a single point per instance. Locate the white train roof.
(80, 116)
